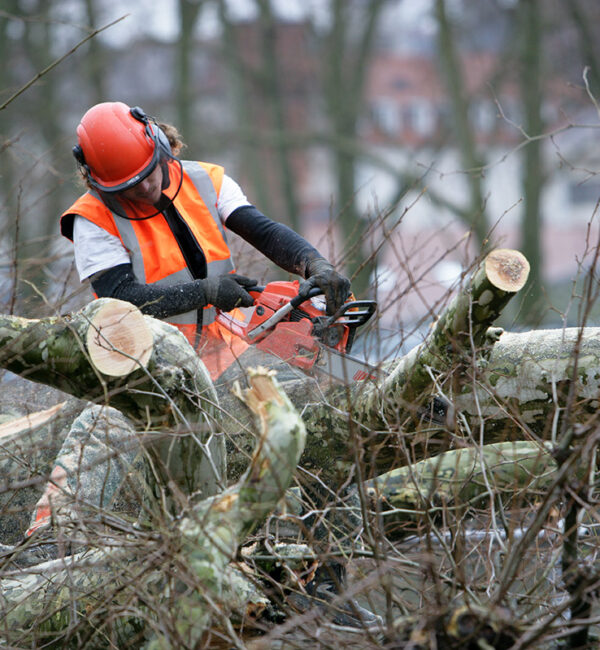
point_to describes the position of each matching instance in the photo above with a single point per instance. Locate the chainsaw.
(297, 330)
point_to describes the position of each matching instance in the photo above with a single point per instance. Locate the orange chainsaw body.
(298, 335)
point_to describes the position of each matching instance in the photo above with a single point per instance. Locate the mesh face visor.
(136, 178)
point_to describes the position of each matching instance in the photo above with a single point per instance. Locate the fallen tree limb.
(162, 380)
(522, 388)
(375, 416)
(514, 472)
(192, 560)
(107, 352)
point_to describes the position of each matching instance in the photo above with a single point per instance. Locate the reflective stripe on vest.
(206, 190)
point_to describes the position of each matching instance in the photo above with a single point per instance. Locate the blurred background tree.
(402, 140)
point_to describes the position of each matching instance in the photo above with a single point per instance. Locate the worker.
(152, 230)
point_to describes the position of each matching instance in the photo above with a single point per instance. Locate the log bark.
(515, 473)
(533, 384)
(143, 570)
(410, 499)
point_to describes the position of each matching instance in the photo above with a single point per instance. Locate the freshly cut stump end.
(507, 269)
(118, 339)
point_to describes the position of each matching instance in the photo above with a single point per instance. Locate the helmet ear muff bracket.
(152, 131)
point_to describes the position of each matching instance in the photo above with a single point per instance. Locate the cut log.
(160, 384)
(459, 333)
(171, 399)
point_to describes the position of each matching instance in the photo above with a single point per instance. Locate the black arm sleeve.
(280, 244)
(160, 302)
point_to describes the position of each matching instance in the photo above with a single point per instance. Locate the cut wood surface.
(118, 339)
(507, 270)
(28, 423)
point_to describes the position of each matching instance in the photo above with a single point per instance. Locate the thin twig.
(58, 61)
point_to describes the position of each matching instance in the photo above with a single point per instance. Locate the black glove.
(336, 288)
(226, 292)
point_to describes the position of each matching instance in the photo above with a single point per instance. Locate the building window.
(386, 116)
(421, 117)
(587, 192)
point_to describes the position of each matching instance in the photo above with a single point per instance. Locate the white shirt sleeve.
(96, 249)
(231, 197)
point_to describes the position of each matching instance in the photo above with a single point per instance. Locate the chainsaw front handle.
(298, 300)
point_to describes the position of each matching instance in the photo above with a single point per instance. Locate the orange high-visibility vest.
(156, 257)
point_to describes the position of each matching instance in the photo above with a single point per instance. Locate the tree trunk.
(534, 176)
(450, 66)
(185, 83)
(347, 49)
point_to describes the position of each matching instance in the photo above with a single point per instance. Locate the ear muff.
(163, 141)
(153, 131)
(79, 157)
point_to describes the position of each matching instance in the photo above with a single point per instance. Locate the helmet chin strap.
(111, 201)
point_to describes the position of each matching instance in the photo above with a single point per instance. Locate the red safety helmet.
(118, 146)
